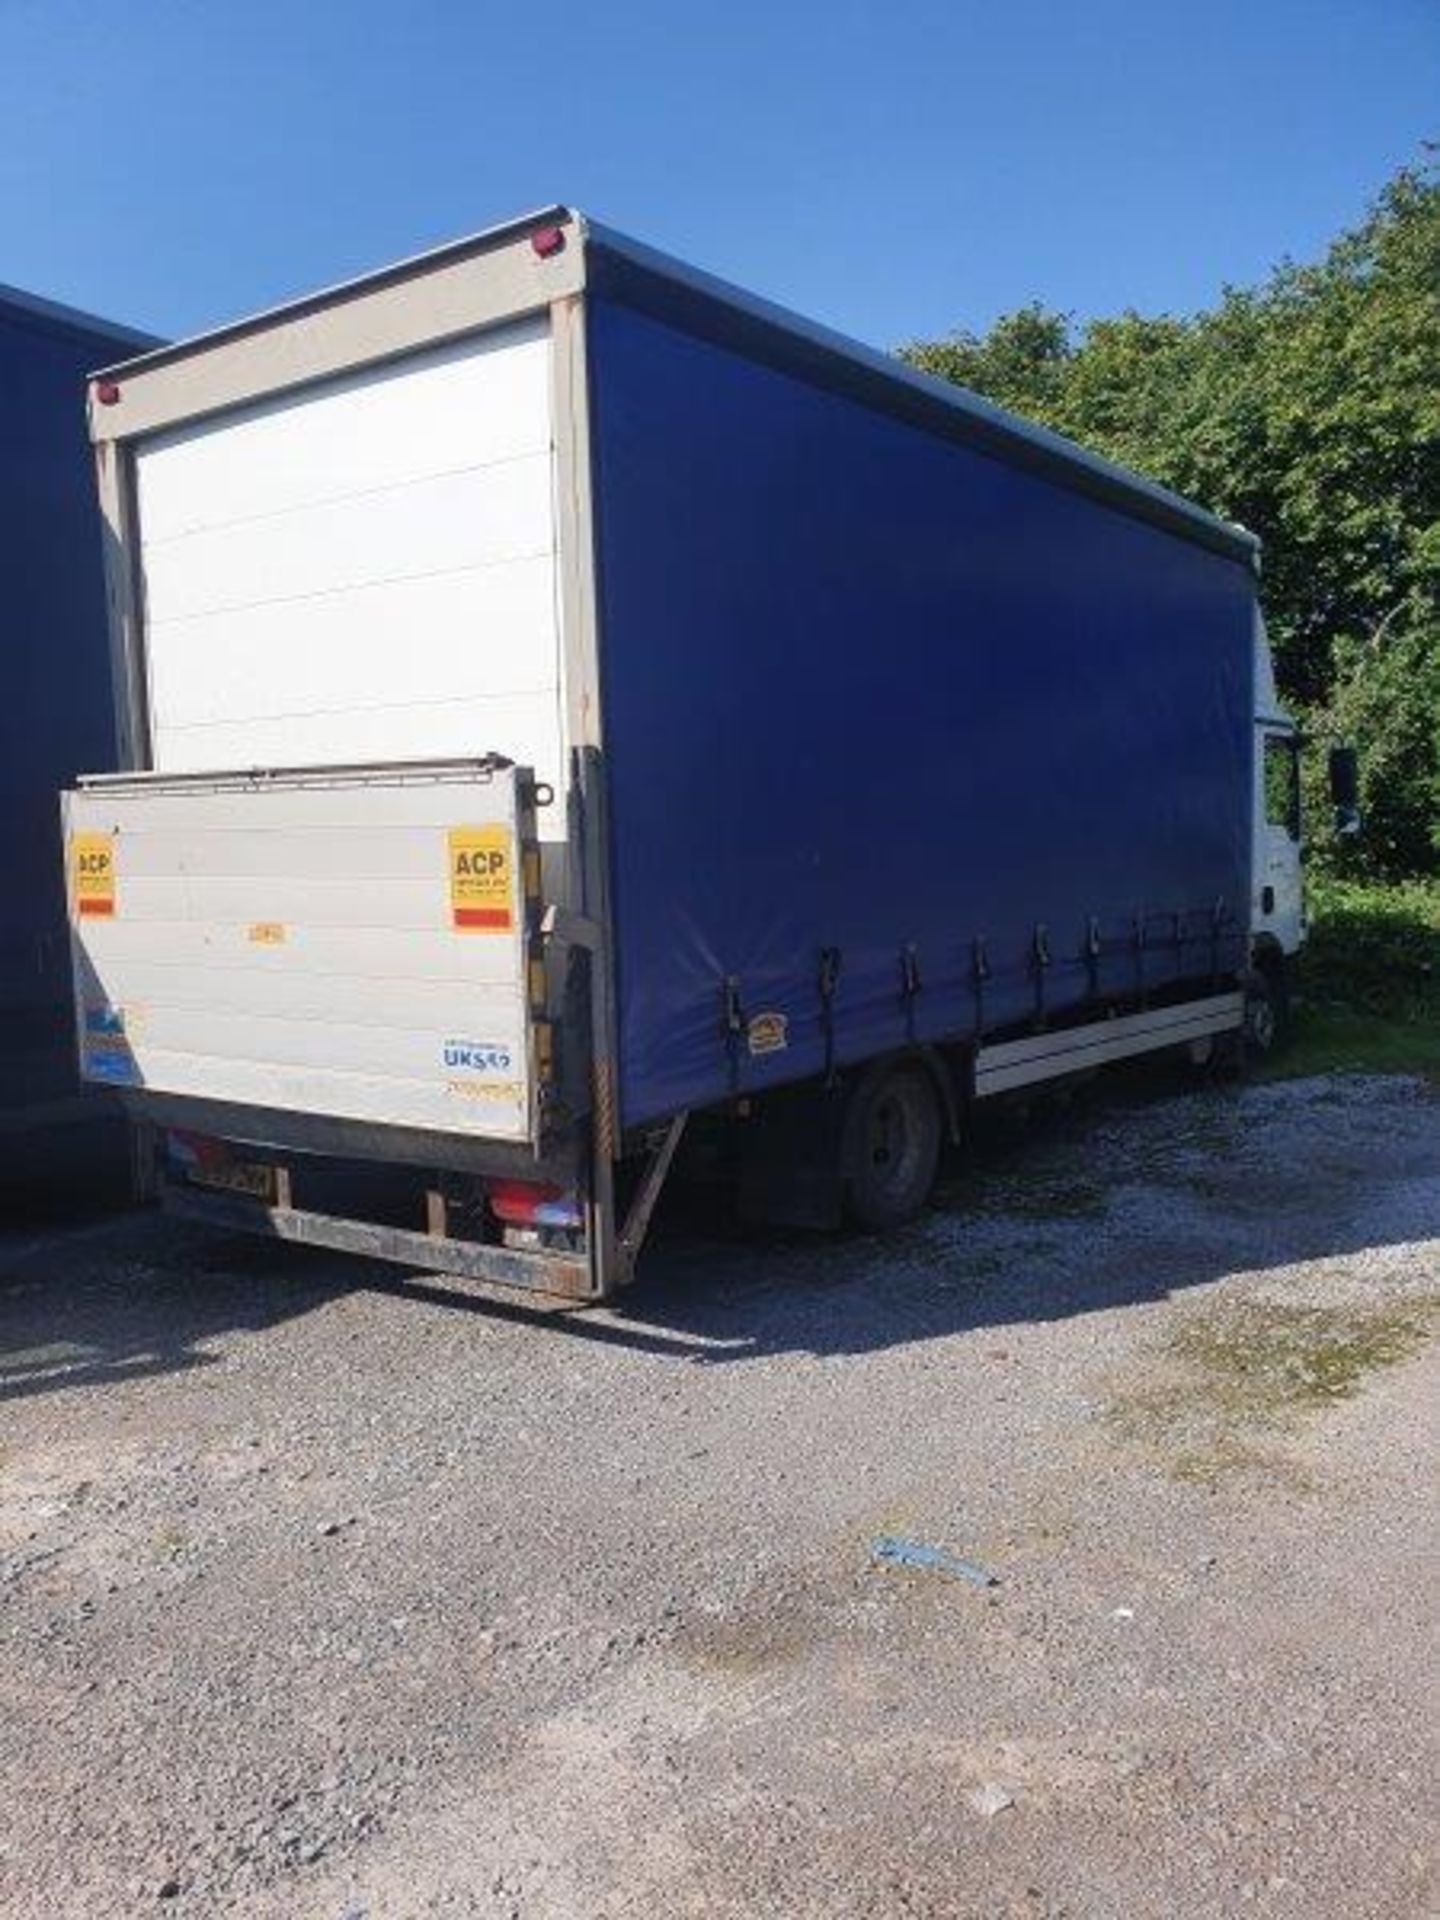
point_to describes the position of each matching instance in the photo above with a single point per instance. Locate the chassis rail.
(558, 1276)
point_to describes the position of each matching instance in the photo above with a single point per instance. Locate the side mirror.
(1345, 791)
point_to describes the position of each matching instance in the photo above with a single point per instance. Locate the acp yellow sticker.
(482, 879)
(92, 874)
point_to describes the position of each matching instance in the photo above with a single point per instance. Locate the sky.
(895, 170)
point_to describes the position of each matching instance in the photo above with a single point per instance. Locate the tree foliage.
(1309, 410)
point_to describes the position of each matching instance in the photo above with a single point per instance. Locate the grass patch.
(1330, 1039)
(1264, 1359)
(1234, 1374)
(1369, 980)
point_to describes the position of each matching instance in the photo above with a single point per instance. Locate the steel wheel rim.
(1262, 1022)
(893, 1145)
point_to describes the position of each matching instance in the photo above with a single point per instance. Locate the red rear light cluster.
(196, 1150)
(525, 1203)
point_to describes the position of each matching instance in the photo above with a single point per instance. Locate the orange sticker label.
(92, 874)
(482, 879)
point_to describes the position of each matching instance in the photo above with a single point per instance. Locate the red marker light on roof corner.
(548, 241)
(107, 393)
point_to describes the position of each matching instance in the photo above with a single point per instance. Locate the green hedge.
(1374, 948)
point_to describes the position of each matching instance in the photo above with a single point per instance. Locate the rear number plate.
(238, 1176)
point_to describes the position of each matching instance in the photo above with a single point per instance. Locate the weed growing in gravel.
(1228, 1453)
(1241, 1369)
(1271, 1357)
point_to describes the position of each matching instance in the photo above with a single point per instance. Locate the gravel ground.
(327, 1596)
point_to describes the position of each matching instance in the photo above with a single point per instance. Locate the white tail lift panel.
(349, 944)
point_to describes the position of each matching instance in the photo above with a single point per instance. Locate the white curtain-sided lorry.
(564, 699)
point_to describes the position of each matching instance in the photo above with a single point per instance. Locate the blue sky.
(895, 170)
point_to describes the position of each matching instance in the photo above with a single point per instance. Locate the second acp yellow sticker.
(482, 879)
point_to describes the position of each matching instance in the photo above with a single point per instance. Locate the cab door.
(1277, 908)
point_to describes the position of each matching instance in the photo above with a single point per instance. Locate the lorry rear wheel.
(896, 1135)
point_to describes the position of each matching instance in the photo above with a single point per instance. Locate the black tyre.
(1267, 1012)
(895, 1135)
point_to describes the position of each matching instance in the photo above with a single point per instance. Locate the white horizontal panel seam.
(250, 1016)
(180, 620)
(347, 926)
(211, 969)
(544, 691)
(322, 503)
(269, 1067)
